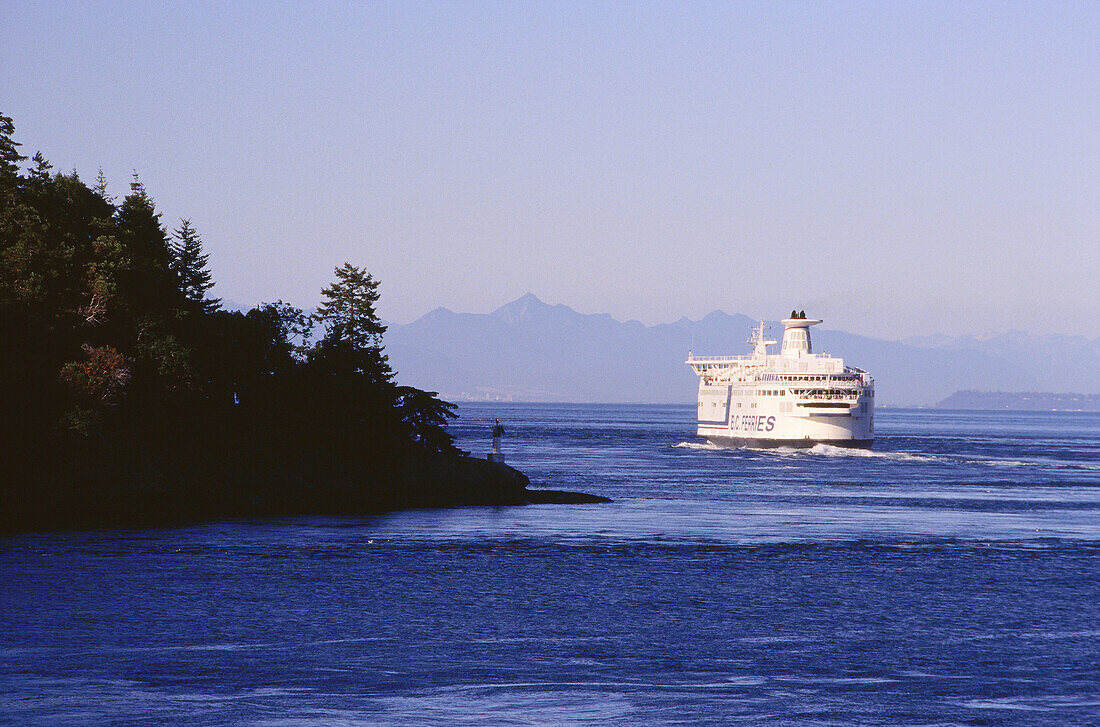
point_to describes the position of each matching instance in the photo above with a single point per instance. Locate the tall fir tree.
(40, 172)
(100, 187)
(189, 263)
(353, 331)
(150, 284)
(149, 302)
(347, 310)
(9, 152)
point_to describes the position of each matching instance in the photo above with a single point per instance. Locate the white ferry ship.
(796, 398)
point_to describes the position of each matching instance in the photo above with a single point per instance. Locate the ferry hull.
(774, 427)
(754, 442)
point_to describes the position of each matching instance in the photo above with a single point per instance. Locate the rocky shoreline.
(161, 497)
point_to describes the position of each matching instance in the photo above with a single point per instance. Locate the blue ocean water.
(948, 576)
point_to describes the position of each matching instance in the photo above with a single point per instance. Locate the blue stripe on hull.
(722, 422)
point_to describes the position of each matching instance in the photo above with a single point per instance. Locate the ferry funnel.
(796, 335)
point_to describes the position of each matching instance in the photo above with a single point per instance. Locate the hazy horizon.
(896, 170)
(765, 316)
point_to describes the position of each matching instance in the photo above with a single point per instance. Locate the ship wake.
(829, 450)
(819, 450)
(698, 445)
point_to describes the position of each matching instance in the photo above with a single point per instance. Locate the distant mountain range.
(528, 350)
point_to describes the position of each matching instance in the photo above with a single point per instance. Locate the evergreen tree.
(40, 172)
(149, 302)
(9, 154)
(189, 263)
(426, 417)
(150, 284)
(100, 187)
(353, 331)
(347, 310)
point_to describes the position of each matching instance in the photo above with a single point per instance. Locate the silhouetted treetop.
(347, 310)
(189, 263)
(9, 149)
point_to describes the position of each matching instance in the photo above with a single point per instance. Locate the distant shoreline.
(1021, 401)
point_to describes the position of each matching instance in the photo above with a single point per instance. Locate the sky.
(894, 168)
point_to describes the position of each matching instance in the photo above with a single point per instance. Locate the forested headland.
(131, 397)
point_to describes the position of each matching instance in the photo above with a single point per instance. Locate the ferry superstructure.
(796, 398)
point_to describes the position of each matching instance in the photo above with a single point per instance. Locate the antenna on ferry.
(759, 341)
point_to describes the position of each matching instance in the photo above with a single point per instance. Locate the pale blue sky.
(893, 168)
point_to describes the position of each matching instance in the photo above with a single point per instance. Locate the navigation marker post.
(497, 455)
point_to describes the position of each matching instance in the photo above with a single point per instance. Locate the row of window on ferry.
(798, 392)
(805, 377)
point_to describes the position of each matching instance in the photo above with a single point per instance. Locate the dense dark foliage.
(132, 396)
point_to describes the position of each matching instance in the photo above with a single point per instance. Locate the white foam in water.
(822, 450)
(829, 450)
(1032, 463)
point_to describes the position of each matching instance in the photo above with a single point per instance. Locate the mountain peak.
(521, 307)
(528, 298)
